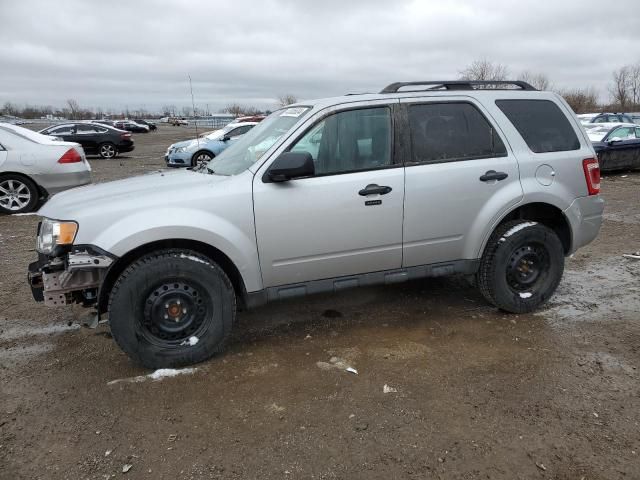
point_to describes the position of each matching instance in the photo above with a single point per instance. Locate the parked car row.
(589, 118)
(134, 126)
(35, 166)
(95, 138)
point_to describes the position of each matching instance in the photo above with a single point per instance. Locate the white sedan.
(35, 166)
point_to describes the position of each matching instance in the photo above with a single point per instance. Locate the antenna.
(193, 104)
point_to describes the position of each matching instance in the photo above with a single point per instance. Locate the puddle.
(611, 286)
(23, 329)
(23, 353)
(628, 219)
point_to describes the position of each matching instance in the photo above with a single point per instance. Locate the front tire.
(172, 308)
(521, 267)
(107, 150)
(18, 194)
(200, 157)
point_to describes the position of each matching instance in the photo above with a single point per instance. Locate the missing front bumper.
(74, 280)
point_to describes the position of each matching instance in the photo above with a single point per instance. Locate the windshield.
(252, 145)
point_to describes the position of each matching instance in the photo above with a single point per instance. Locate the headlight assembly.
(53, 233)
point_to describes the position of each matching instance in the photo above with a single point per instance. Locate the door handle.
(373, 189)
(493, 175)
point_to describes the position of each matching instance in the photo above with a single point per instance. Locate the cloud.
(123, 53)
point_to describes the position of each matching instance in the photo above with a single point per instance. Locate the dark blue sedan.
(617, 145)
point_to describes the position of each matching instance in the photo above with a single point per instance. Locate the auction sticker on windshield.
(294, 112)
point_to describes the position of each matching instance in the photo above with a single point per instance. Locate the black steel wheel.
(521, 267)
(172, 308)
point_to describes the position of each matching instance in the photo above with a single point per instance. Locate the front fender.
(235, 240)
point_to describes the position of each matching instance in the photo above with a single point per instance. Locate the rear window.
(444, 132)
(542, 125)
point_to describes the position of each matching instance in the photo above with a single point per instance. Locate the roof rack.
(457, 85)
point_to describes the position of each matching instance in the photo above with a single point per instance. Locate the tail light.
(592, 175)
(125, 136)
(71, 156)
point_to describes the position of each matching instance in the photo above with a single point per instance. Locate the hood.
(151, 190)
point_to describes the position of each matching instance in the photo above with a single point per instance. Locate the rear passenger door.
(459, 176)
(87, 136)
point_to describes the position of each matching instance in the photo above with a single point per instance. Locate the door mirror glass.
(615, 140)
(291, 165)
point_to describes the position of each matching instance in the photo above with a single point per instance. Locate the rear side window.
(444, 132)
(542, 125)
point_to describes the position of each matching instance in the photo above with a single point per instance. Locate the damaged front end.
(66, 273)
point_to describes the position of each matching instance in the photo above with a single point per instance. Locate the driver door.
(327, 225)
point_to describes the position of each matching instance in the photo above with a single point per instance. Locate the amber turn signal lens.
(68, 232)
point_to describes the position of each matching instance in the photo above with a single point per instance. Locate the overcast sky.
(138, 53)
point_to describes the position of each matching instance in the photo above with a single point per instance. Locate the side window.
(442, 132)
(239, 131)
(541, 124)
(637, 132)
(64, 130)
(349, 141)
(623, 133)
(602, 119)
(84, 129)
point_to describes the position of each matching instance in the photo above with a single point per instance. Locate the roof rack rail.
(457, 85)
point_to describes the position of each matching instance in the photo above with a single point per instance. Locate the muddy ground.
(472, 393)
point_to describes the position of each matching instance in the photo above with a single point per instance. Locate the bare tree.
(581, 100)
(634, 85)
(620, 88)
(287, 99)
(536, 80)
(234, 109)
(74, 107)
(9, 109)
(484, 70)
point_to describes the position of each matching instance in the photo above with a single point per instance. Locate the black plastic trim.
(464, 267)
(455, 85)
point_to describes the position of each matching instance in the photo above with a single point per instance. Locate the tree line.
(624, 88)
(624, 95)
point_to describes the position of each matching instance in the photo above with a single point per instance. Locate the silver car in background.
(35, 166)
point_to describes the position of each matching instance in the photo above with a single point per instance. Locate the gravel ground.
(470, 392)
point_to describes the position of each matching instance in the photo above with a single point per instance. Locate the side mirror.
(614, 140)
(291, 165)
(226, 138)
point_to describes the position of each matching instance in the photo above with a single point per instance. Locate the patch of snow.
(351, 370)
(194, 258)
(525, 294)
(192, 341)
(388, 389)
(159, 374)
(23, 214)
(517, 228)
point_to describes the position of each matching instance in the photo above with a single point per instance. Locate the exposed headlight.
(180, 149)
(53, 233)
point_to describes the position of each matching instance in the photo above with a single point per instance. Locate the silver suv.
(495, 180)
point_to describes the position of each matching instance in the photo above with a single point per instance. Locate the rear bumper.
(585, 217)
(57, 182)
(125, 148)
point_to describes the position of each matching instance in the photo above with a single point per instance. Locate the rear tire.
(107, 150)
(521, 267)
(172, 308)
(18, 194)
